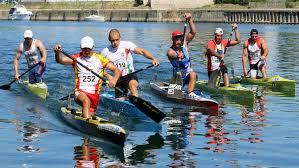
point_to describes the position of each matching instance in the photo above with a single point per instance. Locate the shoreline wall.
(274, 16)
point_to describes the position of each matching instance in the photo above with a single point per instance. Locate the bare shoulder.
(171, 53)
(39, 42)
(262, 40)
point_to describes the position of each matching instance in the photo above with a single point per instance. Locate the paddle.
(215, 77)
(184, 33)
(139, 70)
(255, 66)
(7, 87)
(144, 106)
(119, 80)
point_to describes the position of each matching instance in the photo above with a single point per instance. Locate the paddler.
(178, 55)
(216, 49)
(255, 48)
(35, 53)
(88, 86)
(120, 53)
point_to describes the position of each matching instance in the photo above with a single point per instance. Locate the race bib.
(121, 65)
(88, 82)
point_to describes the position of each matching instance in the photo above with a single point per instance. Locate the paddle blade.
(147, 108)
(5, 87)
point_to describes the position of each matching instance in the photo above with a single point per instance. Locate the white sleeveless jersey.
(254, 53)
(121, 56)
(32, 55)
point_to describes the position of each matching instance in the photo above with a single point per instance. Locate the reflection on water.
(182, 158)
(255, 119)
(182, 125)
(216, 134)
(86, 155)
(93, 154)
(30, 133)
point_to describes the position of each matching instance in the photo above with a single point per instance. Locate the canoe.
(40, 89)
(235, 91)
(275, 82)
(97, 127)
(122, 106)
(174, 93)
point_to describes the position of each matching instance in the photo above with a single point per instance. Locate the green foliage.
(292, 3)
(240, 2)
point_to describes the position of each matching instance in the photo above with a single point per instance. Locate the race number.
(88, 79)
(175, 86)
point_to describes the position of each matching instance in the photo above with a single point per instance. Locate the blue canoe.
(122, 106)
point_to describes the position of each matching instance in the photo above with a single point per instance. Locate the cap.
(176, 33)
(87, 42)
(28, 34)
(219, 31)
(253, 31)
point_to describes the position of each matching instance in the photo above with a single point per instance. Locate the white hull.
(19, 17)
(19, 12)
(95, 18)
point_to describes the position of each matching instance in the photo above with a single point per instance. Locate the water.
(33, 134)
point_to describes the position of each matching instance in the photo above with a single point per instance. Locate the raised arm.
(192, 28)
(237, 35)
(61, 58)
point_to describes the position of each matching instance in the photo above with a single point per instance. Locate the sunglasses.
(178, 37)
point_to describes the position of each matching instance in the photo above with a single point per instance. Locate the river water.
(32, 133)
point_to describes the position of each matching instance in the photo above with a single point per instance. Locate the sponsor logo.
(111, 128)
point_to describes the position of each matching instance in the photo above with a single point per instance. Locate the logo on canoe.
(111, 128)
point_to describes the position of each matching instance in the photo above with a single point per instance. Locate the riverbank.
(129, 13)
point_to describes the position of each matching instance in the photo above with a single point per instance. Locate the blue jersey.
(182, 65)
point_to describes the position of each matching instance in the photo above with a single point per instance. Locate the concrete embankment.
(148, 15)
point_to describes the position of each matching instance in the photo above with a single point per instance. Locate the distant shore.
(239, 14)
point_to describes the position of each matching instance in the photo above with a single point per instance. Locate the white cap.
(87, 42)
(219, 31)
(28, 34)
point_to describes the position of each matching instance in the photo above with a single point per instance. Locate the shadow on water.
(145, 153)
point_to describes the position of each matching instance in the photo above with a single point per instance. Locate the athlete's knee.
(262, 67)
(133, 84)
(193, 75)
(86, 101)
